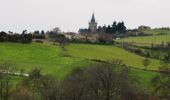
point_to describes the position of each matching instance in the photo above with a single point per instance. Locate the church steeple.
(93, 18)
(93, 24)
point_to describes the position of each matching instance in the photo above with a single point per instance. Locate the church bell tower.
(93, 24)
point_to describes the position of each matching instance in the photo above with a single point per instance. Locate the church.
(93, 24)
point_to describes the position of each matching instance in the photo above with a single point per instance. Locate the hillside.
(47, 57)
(157, 31)
(146, 40)
(43, 56)
(109, 53)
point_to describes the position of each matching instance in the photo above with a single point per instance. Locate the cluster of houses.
(81, 37)
(92, 35)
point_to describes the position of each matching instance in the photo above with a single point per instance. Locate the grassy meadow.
(146, 40)
(48, 58)
(43, 56)
(109, 53)
(157, 31)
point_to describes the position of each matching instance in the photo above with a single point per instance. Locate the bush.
(23, 38)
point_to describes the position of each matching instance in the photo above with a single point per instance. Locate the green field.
(48, 58)
(152, 31)
(146, 40)
(43, 56)
(110, 53)
(157, 31)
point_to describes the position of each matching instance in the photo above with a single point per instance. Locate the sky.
(70, 15)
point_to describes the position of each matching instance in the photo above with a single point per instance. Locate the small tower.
(93, 24)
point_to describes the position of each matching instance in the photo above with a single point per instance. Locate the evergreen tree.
(42, 32)
(109, 29)
(121, 27)
(114, 27)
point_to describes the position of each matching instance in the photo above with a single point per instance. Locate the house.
(142, 27)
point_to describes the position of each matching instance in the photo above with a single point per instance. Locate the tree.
(104, 81)
(39, 35)
(101, 82)
(161, 82)
(5, 81)
(60, 39)
(42, 32)
(36, 32)
(105, 38)
(23, 38)
(121, 27)
(109, 29)
(24, 32)
(146, 62)
(37, 87)
(56, 30)
(51, 88)
(99, 29)
(3, 36)
(114, 27)
(26, 38)
(104, 28)
(31, 85)
(22, 93)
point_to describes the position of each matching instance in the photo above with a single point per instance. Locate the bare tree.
(22, 93)
(102, 82)
(5, 80)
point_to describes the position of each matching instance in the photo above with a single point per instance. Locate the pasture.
(146, 40)
(156, 31)
(49, 60)
(47, 57)
(43, 56)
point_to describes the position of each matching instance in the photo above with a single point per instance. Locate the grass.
(153, 31)
(144, 77)
(146, 40)
(157, 31)
(48, 58)
(109, 53)
(43, 56)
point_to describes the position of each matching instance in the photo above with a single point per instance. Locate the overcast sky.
(70, 15)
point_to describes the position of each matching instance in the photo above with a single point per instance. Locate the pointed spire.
(93, 18)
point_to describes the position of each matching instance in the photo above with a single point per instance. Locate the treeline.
(100, 82)
(58, 38)
(115, 28)
(14, 37)
(39, 34)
